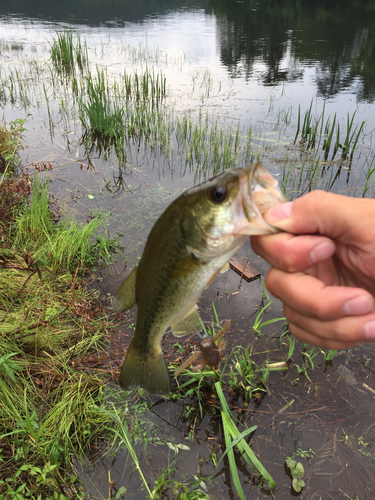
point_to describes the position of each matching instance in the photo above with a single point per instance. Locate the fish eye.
(218, 194)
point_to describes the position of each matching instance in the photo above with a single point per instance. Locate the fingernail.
(369, 331)
(358, 306)
(322, 251)
(279, 212)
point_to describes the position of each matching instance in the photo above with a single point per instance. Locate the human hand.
(323, 267)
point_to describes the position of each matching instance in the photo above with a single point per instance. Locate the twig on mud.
(74, 282)
(243, 270)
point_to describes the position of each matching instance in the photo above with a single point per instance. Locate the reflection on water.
(338, 40)
(237, 74)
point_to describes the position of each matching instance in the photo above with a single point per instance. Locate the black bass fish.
(189, 244)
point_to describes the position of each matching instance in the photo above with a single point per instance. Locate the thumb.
(336, 216)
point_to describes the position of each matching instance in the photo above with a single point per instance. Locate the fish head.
(230, 206)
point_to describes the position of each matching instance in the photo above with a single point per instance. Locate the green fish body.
(189, 244)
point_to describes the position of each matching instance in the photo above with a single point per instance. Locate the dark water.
(238, 64)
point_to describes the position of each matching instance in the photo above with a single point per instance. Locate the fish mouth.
(260, 191)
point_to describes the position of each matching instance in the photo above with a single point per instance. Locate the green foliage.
(8, 366)
(309, 355)
(244, 375)
(234, 438)
(10, 143)
(112, 113)
(66, 55)
(49, 412)
(258, 324)
(165, 484)
(305, 453)
(99, 115)
(297, 471)
(61, 245)
(313, 130)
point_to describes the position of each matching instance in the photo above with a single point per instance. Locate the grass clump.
(100, 116)
(314, 130)
(58, 245)
(9, 144)
(49, 411)
(113, 112)
(66, 54)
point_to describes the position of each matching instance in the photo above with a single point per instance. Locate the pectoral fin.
(224, 269)
(125, 296)
(191, 323)
(185, 266)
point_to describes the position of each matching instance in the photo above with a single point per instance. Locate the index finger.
(293, 253)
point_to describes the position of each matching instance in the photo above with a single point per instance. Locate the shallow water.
(246, 65)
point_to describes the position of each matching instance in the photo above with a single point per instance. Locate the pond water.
(240, 77)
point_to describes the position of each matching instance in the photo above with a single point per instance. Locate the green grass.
(10, 143)
(66, 55)
(62, 245)
(49, 411)
(234, 438)
(317, 130)
(113, 113)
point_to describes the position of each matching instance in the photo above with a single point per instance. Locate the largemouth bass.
(189, 244)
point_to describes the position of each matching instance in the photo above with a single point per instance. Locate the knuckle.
(319, 310)
(272, 282)
(317, 196)
(256, 245)
(289, 314)
(289, 262)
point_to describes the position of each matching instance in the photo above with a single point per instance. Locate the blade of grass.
(123, 435)
(243, 447)
(231, 458)
(237, 439)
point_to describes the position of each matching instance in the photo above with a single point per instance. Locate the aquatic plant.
(312, 133)
(234, 438)
(115, 113)
(297, 471)
(65, 55)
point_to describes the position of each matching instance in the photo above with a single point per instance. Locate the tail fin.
(148, 372)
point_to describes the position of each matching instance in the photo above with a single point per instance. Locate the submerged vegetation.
(127, 112)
